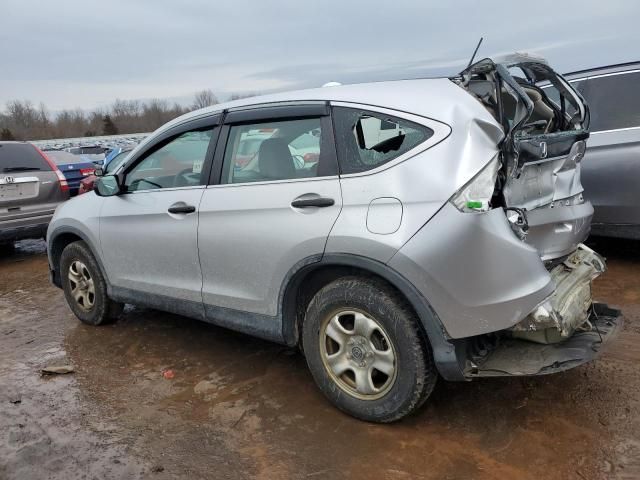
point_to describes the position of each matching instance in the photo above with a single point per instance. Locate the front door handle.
(313, 202)
(181, 209)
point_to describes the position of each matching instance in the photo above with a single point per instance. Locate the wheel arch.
(58, 241)
(309, 278)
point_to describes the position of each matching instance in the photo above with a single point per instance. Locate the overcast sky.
(86, 53)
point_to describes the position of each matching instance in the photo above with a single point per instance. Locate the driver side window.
(177, 163)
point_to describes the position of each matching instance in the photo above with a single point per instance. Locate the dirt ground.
(238, 407)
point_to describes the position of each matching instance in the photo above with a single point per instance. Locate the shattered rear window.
(366, 140)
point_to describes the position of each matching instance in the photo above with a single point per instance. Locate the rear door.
(266, 215)
(611, 167)
(148, 234)
(28, 185)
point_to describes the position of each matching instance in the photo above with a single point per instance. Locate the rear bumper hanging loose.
(516, 357)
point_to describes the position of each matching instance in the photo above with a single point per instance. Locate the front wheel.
(84, 286)
(365, 350)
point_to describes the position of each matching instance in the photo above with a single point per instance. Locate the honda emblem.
(8, 179)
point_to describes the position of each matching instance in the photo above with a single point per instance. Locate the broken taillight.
(476, 195)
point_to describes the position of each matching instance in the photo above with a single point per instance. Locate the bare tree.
(204, 98)
(22, 121)
(5, 134)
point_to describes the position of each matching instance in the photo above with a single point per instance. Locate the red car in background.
(86, 184)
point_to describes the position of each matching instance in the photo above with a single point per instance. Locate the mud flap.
(515, 357)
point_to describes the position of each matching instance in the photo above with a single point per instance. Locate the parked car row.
(74, 167)
(111, 162)
(78, 163)
(34, 182)
(411, 240)
(108, 142)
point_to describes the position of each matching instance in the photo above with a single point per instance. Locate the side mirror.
(99, 172)
(107, 186)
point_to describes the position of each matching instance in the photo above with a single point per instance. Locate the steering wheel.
(182, 179)
(137, 182)
(298, 161)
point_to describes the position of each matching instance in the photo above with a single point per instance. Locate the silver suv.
(428, 228)
(31, 187)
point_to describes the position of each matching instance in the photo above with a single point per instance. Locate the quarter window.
(279, 150)
(613, 101)
(367, 140)
(177, 163)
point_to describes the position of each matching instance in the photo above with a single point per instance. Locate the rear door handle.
(181, 209)
(313, 202)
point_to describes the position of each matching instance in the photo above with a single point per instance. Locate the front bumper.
(515, 357)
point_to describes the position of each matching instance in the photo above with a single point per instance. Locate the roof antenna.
(475, 51)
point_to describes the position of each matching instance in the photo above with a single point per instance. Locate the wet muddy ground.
(238, 407)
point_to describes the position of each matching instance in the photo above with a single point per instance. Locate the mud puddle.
(237, 407)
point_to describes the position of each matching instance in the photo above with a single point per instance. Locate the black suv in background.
(611, 166)
(31, 187)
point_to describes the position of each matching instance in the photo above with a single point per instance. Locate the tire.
(362, 347)
(7, 248)
(85, 287)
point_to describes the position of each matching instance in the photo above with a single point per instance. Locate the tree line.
(21, 120)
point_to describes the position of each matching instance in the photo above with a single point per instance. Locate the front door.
(148, 234)
(274, 203)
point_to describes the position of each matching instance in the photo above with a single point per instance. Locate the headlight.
(476, 194)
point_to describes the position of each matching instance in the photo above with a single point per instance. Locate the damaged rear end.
(535, 179)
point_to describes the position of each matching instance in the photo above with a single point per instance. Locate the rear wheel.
(7, 248)
(84, 286)
(365, 350)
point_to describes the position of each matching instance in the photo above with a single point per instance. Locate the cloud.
(86, 53)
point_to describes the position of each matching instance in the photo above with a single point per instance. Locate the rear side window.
(62, 158)
(277, 150)
(613, 101)
(86, 150)
(366, 140)
(16, 157)
(92, 150)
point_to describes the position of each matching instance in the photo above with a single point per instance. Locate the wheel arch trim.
(54, 266)
(444, 351)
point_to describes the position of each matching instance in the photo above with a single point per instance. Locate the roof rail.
(593, 69)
